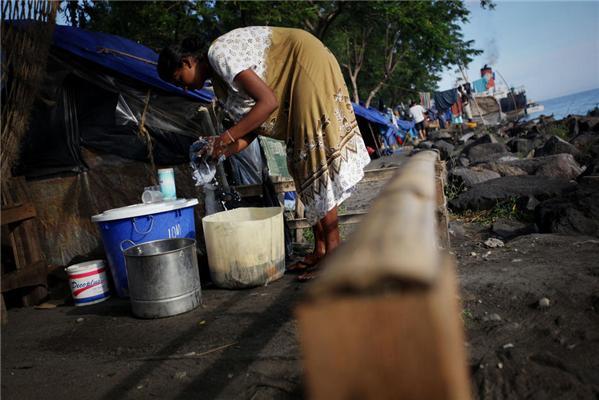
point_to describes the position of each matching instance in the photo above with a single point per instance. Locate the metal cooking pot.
(164, 279)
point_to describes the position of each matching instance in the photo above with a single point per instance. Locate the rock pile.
(547, 167)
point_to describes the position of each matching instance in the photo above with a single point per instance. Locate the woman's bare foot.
(306, 263)
(310, 274)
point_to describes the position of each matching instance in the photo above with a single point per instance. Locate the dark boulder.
(469, 177)
(574, 212)
(484, 152)
(559, 166)
(588, 145)
(556, 145)
(592, 169)
(475, 140)
(503, 169)
(509, 229)
(445, 148)
(466, 137)
(589, 124)
(463, 161)
(521, 145)
(438, 135)
(486, 195)
(425, 145)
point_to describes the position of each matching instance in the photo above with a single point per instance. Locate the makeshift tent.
(85, 152)
(94, 96)
(367, 117)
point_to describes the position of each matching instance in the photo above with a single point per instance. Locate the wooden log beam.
(382, 321)
(399, 240)
(407, 344)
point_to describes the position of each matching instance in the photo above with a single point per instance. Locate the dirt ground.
(519, 349)
(102, 352)
(243, 345)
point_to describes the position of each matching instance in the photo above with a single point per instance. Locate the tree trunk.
(374, 91)
(324, 21)
(354, 86)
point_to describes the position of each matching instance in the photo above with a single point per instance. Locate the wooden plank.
(406, 344)
(23, 236)
(283, 185)
(3, 315)
(31, 275)
(344, 219)
(442, 213)
(17, 213)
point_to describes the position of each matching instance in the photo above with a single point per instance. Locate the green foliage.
(308, 235)
(152, 23)
(467, 317)
(453, 190)
(507, 209)
(407, 44)
(557, 130)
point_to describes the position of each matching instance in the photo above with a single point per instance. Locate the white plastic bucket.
(246, 246)
(88, 282)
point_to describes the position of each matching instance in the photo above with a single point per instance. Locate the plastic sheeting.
(247, 166)
(81, 105)
(445, 99)
(120, 55)
(65, 205)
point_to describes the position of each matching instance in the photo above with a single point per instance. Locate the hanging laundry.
(456, 108)
(444, 100)
(425, 99)
(490, 81)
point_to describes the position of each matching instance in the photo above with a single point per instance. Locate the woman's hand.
(218, 144)
(237, 138)
(240, 144)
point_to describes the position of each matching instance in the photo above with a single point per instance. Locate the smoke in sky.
(492, 52)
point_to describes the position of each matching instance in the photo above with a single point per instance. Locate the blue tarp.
(377, 117)
(99, 48)
(371, 115)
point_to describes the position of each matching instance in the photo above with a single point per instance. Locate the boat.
(534, 107)
(511, 103)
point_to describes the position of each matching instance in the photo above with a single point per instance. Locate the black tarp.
(81, 104)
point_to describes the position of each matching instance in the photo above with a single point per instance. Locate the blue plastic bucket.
(124, 227)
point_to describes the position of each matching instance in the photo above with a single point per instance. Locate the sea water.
(576, 104)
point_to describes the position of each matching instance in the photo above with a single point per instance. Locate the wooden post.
(383, 320)
(21, 227)
(442, 214)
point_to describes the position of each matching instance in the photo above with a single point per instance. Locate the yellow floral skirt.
(326, 154)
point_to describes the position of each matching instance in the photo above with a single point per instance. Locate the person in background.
(463, 92)
(417, 113)
(286, 84)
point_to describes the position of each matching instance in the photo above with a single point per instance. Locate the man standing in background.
(417, 112)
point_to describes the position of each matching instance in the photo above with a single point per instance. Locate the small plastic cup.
(151, 196)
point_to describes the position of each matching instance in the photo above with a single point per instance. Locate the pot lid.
(137, 210)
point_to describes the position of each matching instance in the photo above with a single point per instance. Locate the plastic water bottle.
(166, 178)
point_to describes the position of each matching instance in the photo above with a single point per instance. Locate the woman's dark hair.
(171, 57)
